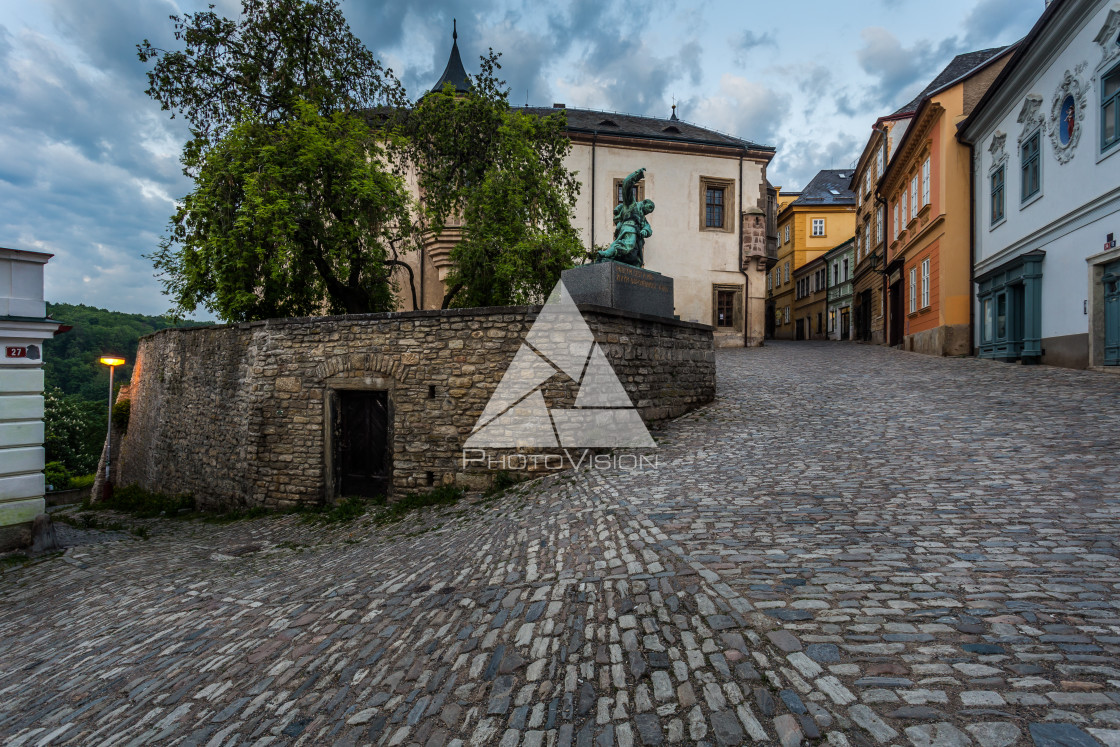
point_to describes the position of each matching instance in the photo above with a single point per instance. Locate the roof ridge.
(943, 78)
(665, 121)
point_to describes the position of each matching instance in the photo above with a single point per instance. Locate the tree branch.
(411, 279)
(451, 295)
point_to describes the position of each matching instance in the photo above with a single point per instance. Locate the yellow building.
(822, 216)
(810, 300)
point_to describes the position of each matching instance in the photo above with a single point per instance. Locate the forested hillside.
(71, 359)
(77, 384)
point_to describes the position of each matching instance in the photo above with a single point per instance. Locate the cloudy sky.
(89, 165)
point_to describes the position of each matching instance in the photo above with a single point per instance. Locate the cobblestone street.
(852, 544)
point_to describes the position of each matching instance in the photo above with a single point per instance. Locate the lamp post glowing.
(112, 362)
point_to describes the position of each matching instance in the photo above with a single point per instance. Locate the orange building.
(926, 193)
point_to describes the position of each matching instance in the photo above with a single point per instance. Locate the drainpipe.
(827, 283)
(594, 139)
(879, 201)
(742, 269)
(971, 250)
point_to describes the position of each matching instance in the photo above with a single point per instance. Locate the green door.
(1112, 314)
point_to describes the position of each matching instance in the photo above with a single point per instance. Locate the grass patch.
(13, 560)
(237, 514)
(89, 521)
(144, 504)
(444, 495)
(345, 510)
(132, 499)
(503, 481)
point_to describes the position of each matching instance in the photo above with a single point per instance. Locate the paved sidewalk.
(854, 545)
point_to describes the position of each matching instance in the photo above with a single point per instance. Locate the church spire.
(454, 73)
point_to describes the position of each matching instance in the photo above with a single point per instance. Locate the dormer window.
(608, 123)
(672, 129)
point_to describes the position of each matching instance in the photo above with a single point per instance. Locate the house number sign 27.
(15, 352)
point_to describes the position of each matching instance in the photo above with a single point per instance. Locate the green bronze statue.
(631, 229)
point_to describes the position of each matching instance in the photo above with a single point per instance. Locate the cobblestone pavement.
(853, 545)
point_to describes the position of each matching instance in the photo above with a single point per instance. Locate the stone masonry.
(239, 415)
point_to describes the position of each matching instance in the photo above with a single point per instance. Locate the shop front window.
(1001, 316)
(987, 320)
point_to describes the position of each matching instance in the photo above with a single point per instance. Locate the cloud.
(748, 40)
(996, 22)
(89, 171)
(742, 108)
(899, 69)
(616, 66)
(106, 32)
(902, 71)
(525, 55)
(799, 158)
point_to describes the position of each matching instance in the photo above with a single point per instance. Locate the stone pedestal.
(619, 286)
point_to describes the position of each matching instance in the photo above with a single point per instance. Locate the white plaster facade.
(23, 328)
(1074, 45)
(701, 261)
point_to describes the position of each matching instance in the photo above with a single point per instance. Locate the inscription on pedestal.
(619, 286)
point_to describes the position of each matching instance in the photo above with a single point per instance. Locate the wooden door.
(1111, 281)
(896, 317)
(361, 443)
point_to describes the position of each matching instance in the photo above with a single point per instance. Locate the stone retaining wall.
(239, 415)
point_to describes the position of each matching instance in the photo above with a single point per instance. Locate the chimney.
(559, 106)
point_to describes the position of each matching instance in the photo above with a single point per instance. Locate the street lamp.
(112, 362)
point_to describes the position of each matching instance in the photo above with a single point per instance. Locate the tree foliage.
(74, 431)
(501, 174)
(77, 385)
(293, 218)
(277, 53)
(71, 359)
(298, 206)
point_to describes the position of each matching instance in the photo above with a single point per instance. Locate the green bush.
(85, 481)
(121, 410)
(75, 431)
(58, 477)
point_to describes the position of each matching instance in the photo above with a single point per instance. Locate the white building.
(23, 328)
(1046, 193)
(714, 223)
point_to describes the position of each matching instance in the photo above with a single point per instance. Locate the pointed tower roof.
(454, 73)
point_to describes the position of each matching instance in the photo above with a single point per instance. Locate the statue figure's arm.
(629, 182)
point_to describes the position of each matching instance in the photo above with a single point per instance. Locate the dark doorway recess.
(896, 320)
(361, 443)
